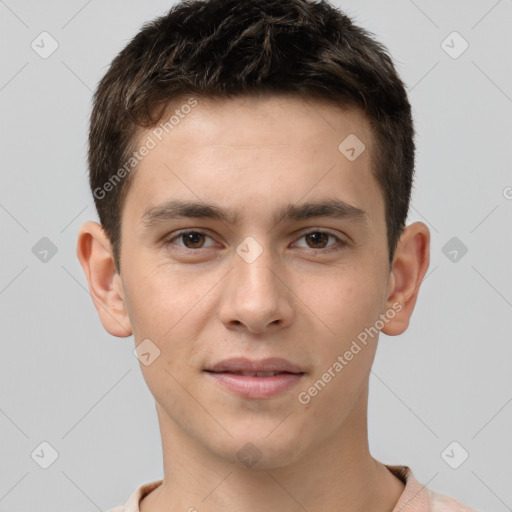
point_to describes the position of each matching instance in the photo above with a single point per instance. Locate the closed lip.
(244, 365)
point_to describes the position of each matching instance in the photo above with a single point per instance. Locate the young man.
(251, 163)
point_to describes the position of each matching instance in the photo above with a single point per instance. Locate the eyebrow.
(176, 209)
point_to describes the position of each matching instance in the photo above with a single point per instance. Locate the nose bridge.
(255, 280)
(256, 275)
(256, 296)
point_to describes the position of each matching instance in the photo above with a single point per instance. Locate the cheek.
(164, 308)
(345, 303)
(160, 299)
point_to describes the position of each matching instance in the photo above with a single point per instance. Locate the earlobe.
(410, 264)
(95, 255)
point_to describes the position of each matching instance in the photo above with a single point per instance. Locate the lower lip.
(257, 387)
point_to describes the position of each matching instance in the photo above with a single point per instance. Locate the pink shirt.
(415, 498)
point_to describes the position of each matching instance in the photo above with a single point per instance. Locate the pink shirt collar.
(415, 498)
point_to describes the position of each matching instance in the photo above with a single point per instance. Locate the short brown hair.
(224, 48)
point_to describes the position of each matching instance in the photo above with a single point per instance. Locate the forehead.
(256, 148)
(252, 112)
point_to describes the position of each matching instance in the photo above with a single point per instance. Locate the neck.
(338, 475)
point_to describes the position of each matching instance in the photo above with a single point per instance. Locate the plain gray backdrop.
(64, 381)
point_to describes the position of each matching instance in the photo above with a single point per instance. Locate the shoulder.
(133, 502)
(441, 503)
(418, 498)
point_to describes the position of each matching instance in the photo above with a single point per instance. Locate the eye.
(191, 240)
(319, 239)
(316, 240)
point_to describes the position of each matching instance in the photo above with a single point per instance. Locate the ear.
(95, 254)
(410, 264)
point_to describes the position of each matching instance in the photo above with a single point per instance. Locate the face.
(252, 243)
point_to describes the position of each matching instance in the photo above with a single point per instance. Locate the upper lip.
(273, 364)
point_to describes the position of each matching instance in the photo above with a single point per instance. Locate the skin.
(199, 302)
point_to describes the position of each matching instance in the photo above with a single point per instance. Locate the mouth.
(256, 374)
(261, 379)
(255, 368)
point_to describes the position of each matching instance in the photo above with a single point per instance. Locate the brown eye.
(193, 240)
(317, 239)
(189, 240)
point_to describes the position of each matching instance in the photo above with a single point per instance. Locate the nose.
(257, 297)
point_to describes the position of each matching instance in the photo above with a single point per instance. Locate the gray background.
(65, 381)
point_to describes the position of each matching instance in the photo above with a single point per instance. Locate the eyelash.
(340, 244)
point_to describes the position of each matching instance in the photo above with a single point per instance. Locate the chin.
(263, 449)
